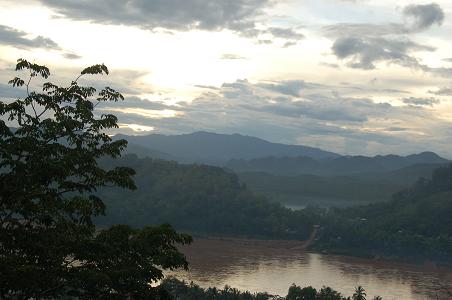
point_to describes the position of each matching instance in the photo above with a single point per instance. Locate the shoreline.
(297, 245)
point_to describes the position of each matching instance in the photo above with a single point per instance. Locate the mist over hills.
(344, 165)
(293, 175)
(251, 154)
(339, 190)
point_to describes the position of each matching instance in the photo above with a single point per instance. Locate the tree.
(49, 174)
(298, 293)
(360, 294)
(327, 293)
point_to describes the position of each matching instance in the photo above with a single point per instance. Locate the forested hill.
(214, 148)
(344, 165)
(198, 199)
(342, 190)
(416, 224)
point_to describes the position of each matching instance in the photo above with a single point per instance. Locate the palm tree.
(360, 293)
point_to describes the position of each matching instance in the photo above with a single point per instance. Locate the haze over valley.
(239, 149)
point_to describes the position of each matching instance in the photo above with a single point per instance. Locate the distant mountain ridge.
(290, 174)
(214, 148)
(335, 190)
(343, 165)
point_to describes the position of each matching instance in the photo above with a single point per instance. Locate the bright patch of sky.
(356, 77)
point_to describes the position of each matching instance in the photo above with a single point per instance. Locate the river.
(272, 266)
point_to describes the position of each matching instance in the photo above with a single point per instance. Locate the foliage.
(335, 166)
(183, 291)
(302, 189)
(49, 174)
(415, 225)
(199, 199)
(360, 294)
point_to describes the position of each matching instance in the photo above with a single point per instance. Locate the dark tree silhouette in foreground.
(49, 174)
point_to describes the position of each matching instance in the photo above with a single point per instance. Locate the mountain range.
(216, 149)
(343, 165)
(293, 175)
(242, 153)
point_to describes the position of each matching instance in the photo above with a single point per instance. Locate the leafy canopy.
(50, 143)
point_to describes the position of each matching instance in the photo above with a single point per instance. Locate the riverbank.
(272, 266)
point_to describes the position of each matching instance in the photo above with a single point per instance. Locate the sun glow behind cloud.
(136, 127)
(217, 74)
(148, 113)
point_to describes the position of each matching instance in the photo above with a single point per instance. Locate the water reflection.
(273, 266)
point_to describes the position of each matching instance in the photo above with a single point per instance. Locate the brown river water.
(272, 266)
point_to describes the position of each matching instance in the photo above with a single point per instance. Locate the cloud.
(138, 104)
(19, 39)
(288, 87)
(286, 33)
(363, 29)
(184, 15)
(296, 111)
(232, 56)
(71, 56)
(424, 16)
(314, 112)
(239, 16)
(364, 52)
(289, 35)
(417, 17)
(125, 81)
(7, 91)
(421, 101)
(352, 1)
(364, 45)
(445, 91)
(329, 65)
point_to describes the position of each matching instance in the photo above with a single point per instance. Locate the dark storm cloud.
(19, 39)
(363, 53)
(421, 101)
(170, 14)
(424, 16)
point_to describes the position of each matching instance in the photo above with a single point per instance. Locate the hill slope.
(199, 199)
(344, 165)
(335, 190)
(216, 148)
(416, 224)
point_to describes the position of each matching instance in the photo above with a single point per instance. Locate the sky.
(351, 76)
